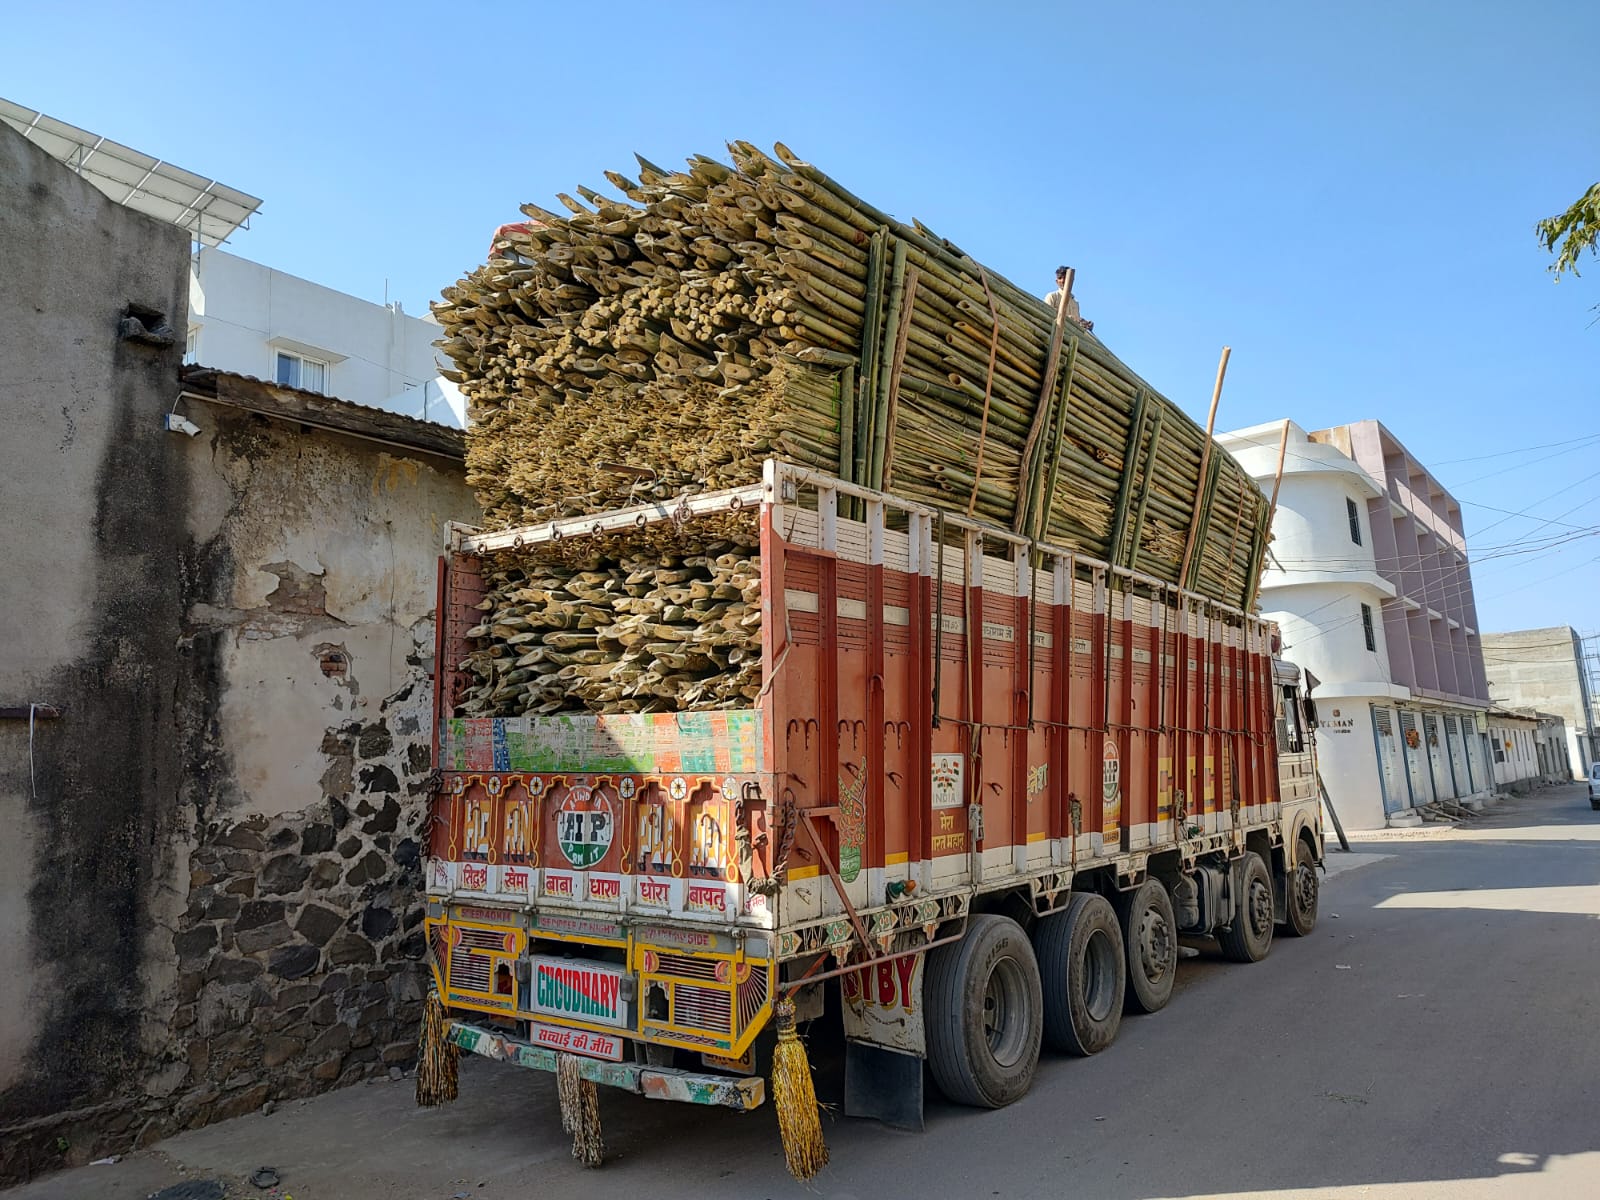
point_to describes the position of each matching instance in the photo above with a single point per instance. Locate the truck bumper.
(654, 1083)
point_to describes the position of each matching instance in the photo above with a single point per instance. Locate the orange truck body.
(951, 715)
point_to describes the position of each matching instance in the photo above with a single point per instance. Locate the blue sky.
(1344, 193)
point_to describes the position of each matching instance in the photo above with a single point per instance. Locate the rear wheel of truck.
(1300, 905)
(1082, 962)
(985, 1014)
(1249, 936)
(1150, 938)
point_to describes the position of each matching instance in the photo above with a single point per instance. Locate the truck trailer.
(986, 786)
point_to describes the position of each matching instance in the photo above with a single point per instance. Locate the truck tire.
(1150, 939)
(985, 1014)
(1085, 974)
(1249, 936)
(1300, 905)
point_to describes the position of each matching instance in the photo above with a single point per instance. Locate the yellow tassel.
(580, 1111)
(437, 1056)
(795, 1098)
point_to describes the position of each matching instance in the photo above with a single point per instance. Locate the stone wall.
(300, 953)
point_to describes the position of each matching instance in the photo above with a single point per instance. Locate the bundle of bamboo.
(665, 342)
(639, 632)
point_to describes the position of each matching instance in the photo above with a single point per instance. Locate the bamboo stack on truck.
(843, 621)
(668, 340)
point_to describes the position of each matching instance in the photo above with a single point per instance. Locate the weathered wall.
(313, 576)
(90, 599)
(1543, 669)
(208, 866)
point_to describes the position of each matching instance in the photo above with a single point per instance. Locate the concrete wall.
(91, 600)
(244, 312)
(1512, 742)
(208, 866)
(1542, 669)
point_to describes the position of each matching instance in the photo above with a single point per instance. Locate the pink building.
(1367, 578)
(1419, 547)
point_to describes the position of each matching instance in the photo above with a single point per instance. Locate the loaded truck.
(985, 787)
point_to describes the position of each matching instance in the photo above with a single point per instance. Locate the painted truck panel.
(948, 710)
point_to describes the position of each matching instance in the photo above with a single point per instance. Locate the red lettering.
(906, 967)
(703, 897)
(885, 985)
(652, 891)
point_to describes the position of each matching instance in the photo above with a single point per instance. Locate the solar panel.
(211, 211)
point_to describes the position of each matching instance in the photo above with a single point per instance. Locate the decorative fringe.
(580, 1111)
(437, 1056)
(795, 1098)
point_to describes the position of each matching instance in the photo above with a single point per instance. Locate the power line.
(1520, 450)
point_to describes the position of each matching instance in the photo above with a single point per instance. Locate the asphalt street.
(1434, 1038)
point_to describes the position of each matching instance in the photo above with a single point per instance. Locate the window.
(1289, 738)
(307, 374)
(1354, 514)
(191, 345)
(1366, 627)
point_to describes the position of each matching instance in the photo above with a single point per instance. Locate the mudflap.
(883, 1085)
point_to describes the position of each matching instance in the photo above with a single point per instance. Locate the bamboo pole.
(897, 365)
(1205, 460)
(1272, 509)
(891, 329)
(1041, 412)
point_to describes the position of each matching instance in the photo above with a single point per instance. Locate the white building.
(1529, 748)
(249, 319)
(253, 320)
(1366, 577)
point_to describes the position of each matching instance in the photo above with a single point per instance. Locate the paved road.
(1435, 1041)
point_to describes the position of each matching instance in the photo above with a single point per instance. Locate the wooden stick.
(1205, 462)
(1041, 412)
(988, 390)
(913, 277)
(1272, 511)
(884, 384)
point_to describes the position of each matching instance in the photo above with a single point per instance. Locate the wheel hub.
(1155, 945)
(1260, 907)
(1004, 1002)
(1305, 888)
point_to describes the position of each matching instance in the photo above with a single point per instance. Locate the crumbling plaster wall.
(296, 962)
(209, 865)
(317, 586)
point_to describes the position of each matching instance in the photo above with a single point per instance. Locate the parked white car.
(1594, 785)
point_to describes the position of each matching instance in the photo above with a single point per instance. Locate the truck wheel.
(1081, 959)
(985, 1014)
(1150, 935)
(1249, 936)
(1301, 902)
